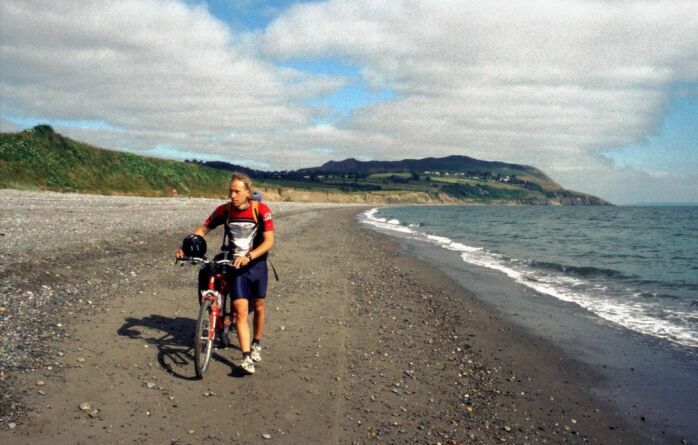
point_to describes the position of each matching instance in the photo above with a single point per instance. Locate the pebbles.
(85, 406)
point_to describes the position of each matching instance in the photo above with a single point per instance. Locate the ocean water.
(636, 267)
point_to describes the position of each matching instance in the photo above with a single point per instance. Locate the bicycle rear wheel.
(203, 340)
(227, 323)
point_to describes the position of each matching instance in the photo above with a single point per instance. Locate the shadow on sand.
(175, 344)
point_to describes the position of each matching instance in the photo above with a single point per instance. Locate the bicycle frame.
(216, 292)
(211, 311)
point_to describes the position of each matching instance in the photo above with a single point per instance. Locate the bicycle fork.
(216, 304)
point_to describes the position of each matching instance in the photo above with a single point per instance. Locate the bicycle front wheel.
(203, 340)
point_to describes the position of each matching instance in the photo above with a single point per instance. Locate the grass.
(404, 175)
(44, 160)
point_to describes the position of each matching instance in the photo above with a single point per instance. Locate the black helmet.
(194, 246)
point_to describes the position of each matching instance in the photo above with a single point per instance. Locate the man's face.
(238, 193)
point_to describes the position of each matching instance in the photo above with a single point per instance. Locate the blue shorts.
(249, 282)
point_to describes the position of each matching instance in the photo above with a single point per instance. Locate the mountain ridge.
(451, 163)
(461, 177)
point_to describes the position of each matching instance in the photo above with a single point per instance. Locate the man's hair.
(237, 176)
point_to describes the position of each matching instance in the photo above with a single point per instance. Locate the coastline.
(524, 388)
(650, 382)
(363, 342)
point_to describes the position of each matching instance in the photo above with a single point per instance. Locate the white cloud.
(549, 83)
(546, 83)
(163, 70)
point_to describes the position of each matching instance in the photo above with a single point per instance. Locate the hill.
(40, 158)
(450, 164)
(449, 179)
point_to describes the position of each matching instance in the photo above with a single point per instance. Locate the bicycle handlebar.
(196, 260)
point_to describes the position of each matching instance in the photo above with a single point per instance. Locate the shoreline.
(363, 342)
(544, 393)
(636, 373)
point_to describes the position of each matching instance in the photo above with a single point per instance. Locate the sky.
(601, 95)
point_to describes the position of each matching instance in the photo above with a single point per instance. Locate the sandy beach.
(364, 344)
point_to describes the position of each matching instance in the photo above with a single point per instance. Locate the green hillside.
(42, 159)
(454, 166)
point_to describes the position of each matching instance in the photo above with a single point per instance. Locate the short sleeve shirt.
(242, 229)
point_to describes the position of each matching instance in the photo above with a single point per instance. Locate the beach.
(364, 343)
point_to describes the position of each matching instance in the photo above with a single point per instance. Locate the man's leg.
(243, 328)
(259, 317)
(241, 324)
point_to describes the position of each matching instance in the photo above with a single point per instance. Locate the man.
(250, 233)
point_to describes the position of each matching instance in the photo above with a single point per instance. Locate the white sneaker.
(247, 365)
(256, 353)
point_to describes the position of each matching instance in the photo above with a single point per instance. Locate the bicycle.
(213, 316)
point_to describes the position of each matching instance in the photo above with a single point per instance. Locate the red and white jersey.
(243, 232)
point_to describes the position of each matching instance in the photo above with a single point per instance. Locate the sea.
(616, 287)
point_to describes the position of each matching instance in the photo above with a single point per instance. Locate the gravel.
(63, 254)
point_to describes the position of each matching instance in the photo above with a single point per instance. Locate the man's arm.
(265, 246)
(201, 230)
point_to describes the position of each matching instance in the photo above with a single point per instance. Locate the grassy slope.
(42, 159)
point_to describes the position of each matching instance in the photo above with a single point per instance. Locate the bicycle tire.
(226, 341)
(227, 323)
(203, 341)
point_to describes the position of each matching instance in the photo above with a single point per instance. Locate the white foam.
(462, 247)
(439, 239)
(383, 223)
(631, 314)
(490, 262)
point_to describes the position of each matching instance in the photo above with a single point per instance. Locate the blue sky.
(673, 148)
(601, 96)
(355, 95)
(248, 15)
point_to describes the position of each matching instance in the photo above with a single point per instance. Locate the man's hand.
(180, 254)
(241, 261)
